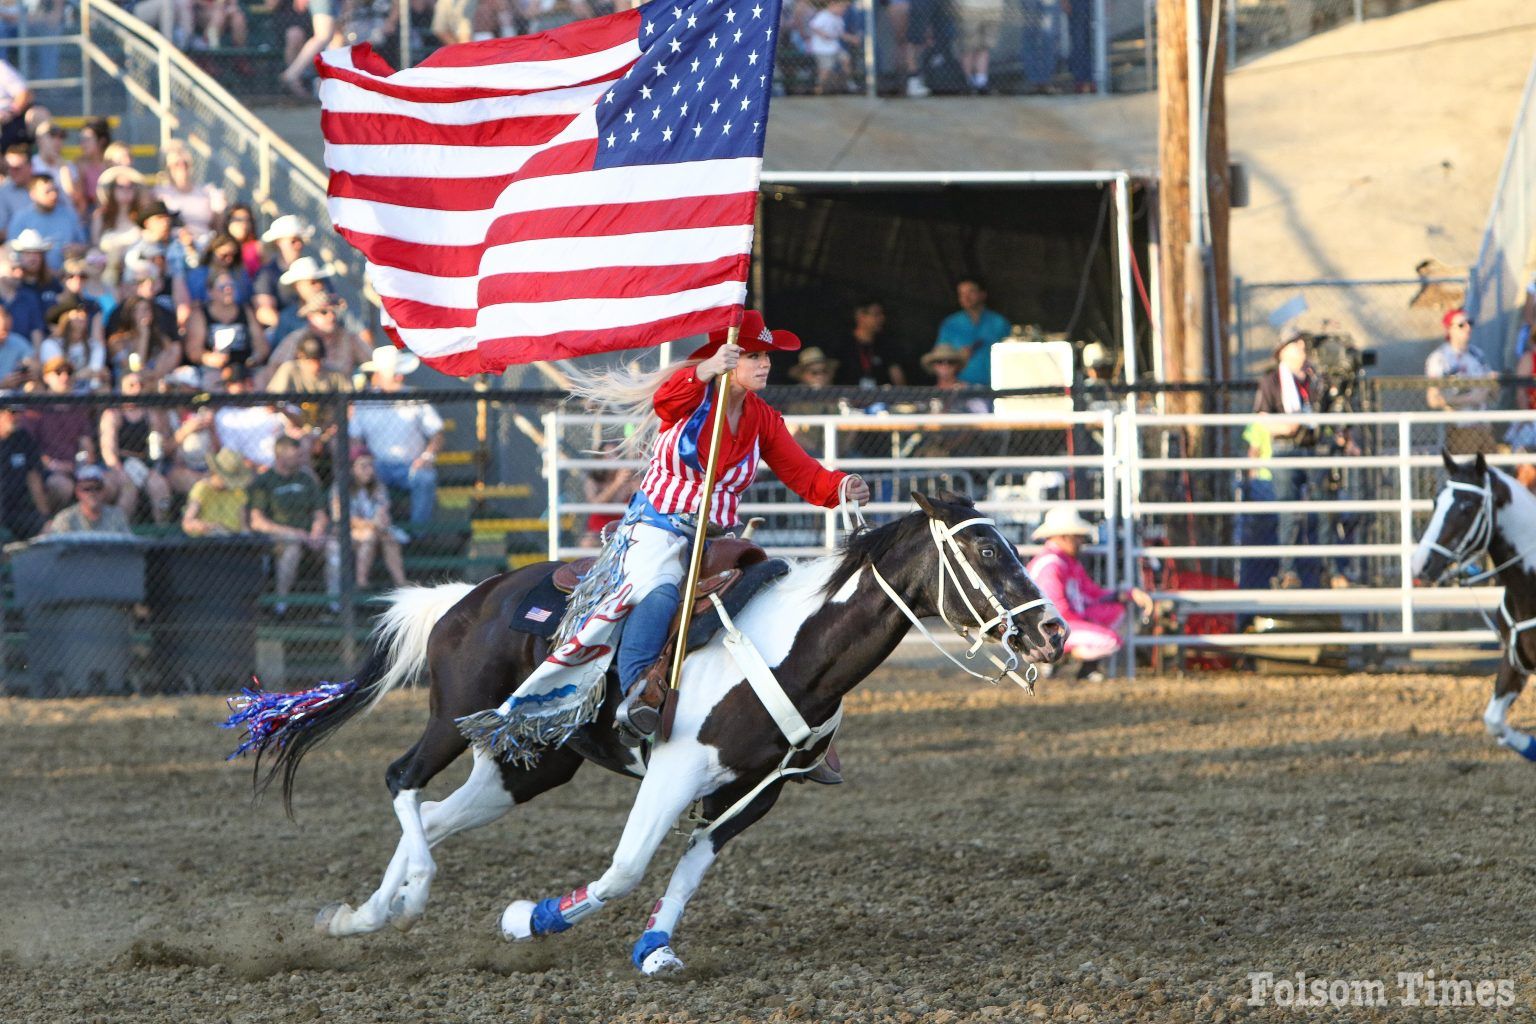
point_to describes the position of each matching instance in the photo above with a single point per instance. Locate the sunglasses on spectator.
(90, 486)
(63, 373)
(75, 274)
(1461, 323)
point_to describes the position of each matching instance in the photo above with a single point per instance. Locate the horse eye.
(988, 553)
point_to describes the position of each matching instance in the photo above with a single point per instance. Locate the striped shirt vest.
(673, 486)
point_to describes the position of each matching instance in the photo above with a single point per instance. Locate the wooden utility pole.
(1192, 194)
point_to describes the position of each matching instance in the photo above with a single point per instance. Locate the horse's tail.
(288, 725)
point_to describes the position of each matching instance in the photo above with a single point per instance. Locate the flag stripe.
(493, 355)
(588, 189)
(613, 219)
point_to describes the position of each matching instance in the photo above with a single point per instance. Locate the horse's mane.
(864, 546)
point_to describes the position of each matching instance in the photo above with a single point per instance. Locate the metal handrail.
(173, 57)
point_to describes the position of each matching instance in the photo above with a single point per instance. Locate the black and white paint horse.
(1481, 510)
(821, 629)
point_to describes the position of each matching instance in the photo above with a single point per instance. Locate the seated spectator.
(241, 225)
(48, 139)
(16, 190)
(307, 278)
(23, 498)
(605, 487)
(95, 137)
(1521, 436)
(142, 331)
(944, 362)
(813, 369)
(131, 443)
(221, 256)
(192, 441)
(37, 290)
(50, 218)
(18, 359)
(251, 430)
(115, 224)
(288, 236)
(307, 374)
(223, 330)
(344, 351)
(218, 504)
(863, 361)
(196, 204)
(175, 22)
(90, 513)
(157, 247)
(117, 154)
(1457, 358)
(372, 531)
(15, 101)
(974, 329)
(1094, 615)
(404, 437)
(69, 338)
(288, 506)
(65, 433)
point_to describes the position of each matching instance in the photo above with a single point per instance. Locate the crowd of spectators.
(115, 282)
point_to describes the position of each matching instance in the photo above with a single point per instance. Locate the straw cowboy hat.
(30, 240)
(1063, 522)
(229, 465)
(810, 358)
(389, 360)
(289, 226)
(943, 354)
(305, 268)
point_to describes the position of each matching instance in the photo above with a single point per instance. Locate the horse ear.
(1481, 466)
(1450, 463)
(926, 504)
(956, 498)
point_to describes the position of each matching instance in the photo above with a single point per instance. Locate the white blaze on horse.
(820, 629)
(1483, 511)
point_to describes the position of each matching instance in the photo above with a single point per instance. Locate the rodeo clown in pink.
(1095, 615)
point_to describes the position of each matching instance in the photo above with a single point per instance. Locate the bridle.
(953, 566)
(1474, 545)
(1474, 542)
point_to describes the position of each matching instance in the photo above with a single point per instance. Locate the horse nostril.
(1052, 629)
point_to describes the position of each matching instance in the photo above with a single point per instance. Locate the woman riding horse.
(654, 537)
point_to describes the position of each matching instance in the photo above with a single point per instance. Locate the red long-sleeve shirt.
(674, 486)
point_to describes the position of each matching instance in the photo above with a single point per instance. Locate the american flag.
(581, 190)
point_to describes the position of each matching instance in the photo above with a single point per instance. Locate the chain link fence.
(1397, 321)
(1502, 292)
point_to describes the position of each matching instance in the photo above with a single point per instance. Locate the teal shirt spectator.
(14, 352)
(978, 336)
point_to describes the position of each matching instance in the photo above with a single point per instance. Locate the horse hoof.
(517, 921)
(399, 919)
(661, 961)
(327, 917)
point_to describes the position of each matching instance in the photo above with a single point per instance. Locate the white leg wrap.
(1495, 716)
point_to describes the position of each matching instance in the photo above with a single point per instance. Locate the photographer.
(1287, 393)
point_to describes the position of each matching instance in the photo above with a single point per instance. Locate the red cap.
(1450, 315)
(754, 337)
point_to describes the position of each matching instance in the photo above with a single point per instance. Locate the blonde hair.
(629, 392)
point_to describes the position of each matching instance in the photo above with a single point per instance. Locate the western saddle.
(724, 560)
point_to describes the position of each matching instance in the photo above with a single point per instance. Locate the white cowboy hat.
(289, 226)
(305, 268)
(390, 360)
(31, 240)
(1063, 522)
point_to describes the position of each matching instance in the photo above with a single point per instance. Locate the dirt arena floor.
(1124, 851)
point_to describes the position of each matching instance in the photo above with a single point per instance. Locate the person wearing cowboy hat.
(287, 235)
(1093, 614)
(813, 368)
(218, 504)
(1288, 394)
(322, 320)
(655, 535)
(404, 437)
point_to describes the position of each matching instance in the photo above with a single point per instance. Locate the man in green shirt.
(288, 505)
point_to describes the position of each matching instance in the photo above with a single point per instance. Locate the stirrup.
(824, 774)
(636, 722)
